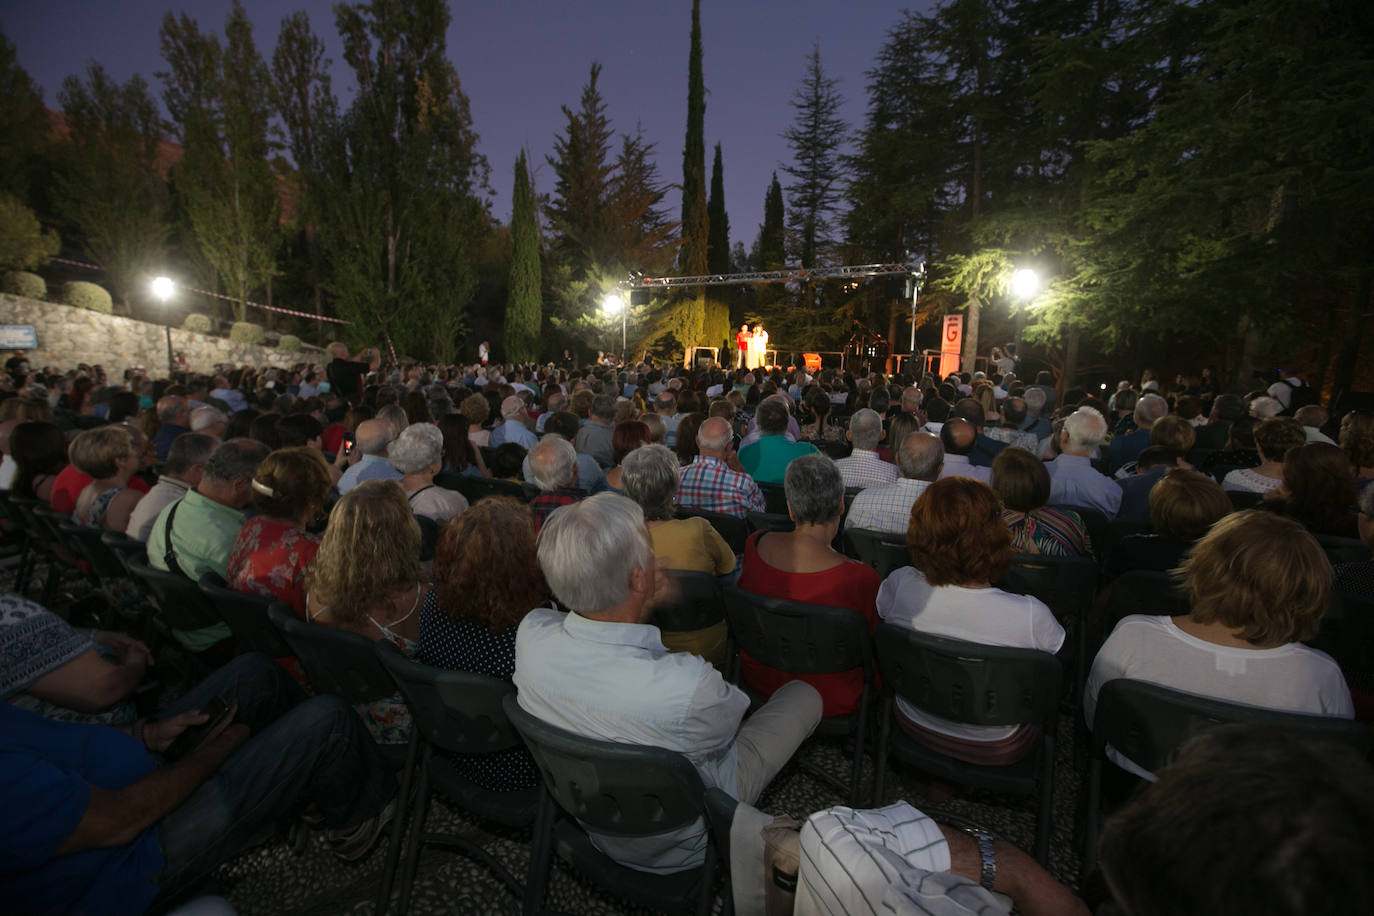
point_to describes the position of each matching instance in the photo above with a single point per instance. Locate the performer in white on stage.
(758, 347)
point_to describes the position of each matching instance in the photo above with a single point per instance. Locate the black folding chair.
(621, 790)
(1143, 591)
(882, 550)
(810, 639)
(1068, 586)
(774, 498)
(1343, 550)
(46, 541)
(698, 603)
(246, 615)
(18, 532)
(1148, 724)
(770, 521)
(460, 713)
(734, 530)
(972, 684)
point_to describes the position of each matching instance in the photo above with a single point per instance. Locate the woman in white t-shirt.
(959, 546)
(1258, 584)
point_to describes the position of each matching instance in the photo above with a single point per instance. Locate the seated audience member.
(1356, 580)
(658, 430)
(460, 455)
(590, 477)
(418, 453)
(959, 547)
(919, 459)
(1149, 408)
(39, 451)
(1265, 408)
(49, 668)
(366, 579)
(1226, 409)
(1073, 480)
(688, 544)
(301, 430)
(174, 419)
(110, 456)
(686, 448)
(1258, 585)
(1009, 431)
(1039, 410)
(766, 460)
(958, 438)
(1123, 402)
(372, 440)
(819, 428)
(1357, 440)
(901, 426)
(1022, 483)
(72, 481)
(1273, 439)
(594, 438)
(602, 672)
(100, 825)
(974, 411)
(264, 430)
(486, 579)
(209, 421)
(1246, 820)
(274, 549)
(1184, 505)
(714, 482)
(863, 467)
(1313, 417)
(1318, 490)
(506, 460)
(185, 466)
(627, 437)
(477, 411)
(553, 462)
(197, 533)
(513, 426)
(800, 565)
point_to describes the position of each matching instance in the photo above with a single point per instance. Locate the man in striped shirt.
(919, 457)
(863, 467)
(710, 484)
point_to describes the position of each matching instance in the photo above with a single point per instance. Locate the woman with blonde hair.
(476, 408)
(366, 579)
(110, 455)
(274, 549)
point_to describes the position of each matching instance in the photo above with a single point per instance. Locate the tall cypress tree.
(770, 249)
(718, 248)
(523, 307)
(690, 325)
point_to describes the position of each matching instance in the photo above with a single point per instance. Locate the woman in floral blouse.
(274, 548)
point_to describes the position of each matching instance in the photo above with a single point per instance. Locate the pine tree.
(718, 249)
(579, 225)
(523, 308)
(815, 138)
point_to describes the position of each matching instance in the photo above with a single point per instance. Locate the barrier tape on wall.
(206, 292)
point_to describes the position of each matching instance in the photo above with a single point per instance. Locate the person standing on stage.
(760, 346)
(742, 346)
(483, 352)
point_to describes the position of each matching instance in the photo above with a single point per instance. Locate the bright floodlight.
(612, 304)
(162, 288)
(1025, 283)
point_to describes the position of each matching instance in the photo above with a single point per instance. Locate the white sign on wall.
(18, 337)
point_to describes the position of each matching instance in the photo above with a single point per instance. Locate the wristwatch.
(984, 840)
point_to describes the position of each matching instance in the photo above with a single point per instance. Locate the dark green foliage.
(85, 295)
(23, 242)
(524, 311)
(718, 250)
(816, 169)
(23, 283)
(23, 124)
(770, 248)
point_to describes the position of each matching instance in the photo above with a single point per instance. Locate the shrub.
(85, 295)
(23, 283)
(289, 343)
(197, 323)
(246, 332)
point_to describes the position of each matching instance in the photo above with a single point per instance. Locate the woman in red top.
(273, 549)
(800, 565)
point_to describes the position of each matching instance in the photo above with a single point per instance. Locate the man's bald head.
(920, 456)
(373, 436)
(958, 436)
(714, 437)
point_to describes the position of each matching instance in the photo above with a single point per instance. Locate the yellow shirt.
(691, 545)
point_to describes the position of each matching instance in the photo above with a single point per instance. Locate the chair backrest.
(1067, 585)
(735, 531)
(246, 615)
(1241, 499)
(1148, 723)
(335, 661)
(36, 517)
(968, 682)
(882, 550)
(1144, 591)
(477, 488)
(771, 521)
(429, 536)
(1343, 550)
(618, 789)
(179, 601)
(796, 637)
(1099, 527)
(122, 547)
(10, 514)
(774, 498)
(698, 605)
(90, 545)
(455, 711)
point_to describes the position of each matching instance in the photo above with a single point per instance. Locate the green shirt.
(766, 460)
(203, 535)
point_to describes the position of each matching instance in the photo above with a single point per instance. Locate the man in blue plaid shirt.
(710, 484)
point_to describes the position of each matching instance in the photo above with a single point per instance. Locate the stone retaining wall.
(67, 336)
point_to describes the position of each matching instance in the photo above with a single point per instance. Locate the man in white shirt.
(1313, 417)
(602, 671)
(863, 467)
(1073, 479)
(1282, 390)
(919, 458)
(185, 465)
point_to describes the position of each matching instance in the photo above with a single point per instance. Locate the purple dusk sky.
(519, 60)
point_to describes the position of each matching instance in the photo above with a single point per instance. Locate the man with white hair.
(553, 464)
(1149, 409)
(863, 467)
(1036, 423)
(1073, 479)
(1265, 408)
(371, 441)
(920, 456)
(1283, 390)
(602, 671)
(714, 482)
(513, 427)
(209, 420)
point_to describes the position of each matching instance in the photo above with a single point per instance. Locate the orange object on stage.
(812, 361)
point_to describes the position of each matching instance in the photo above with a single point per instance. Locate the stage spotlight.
(612, 304)
(1025, 283)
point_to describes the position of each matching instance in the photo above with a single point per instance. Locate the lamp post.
(1025, 283)
(163, 288)
(611, 304)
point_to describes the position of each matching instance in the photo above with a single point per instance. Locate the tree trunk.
(1070, 360)
(1251, 347)
(893, 317)
(971, 317)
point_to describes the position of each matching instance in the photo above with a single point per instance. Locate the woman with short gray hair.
(800, 565)
(418, 453)
(649, 475)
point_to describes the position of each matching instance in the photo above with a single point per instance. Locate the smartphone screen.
(348, 446)
(191, 738)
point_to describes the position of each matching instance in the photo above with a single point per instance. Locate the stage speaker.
(639, 297)
(895, 287)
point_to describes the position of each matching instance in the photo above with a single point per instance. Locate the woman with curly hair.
(1273, 439)
(959, 546)
(366, 579)
(1357, 439)
(1318, 490)
(477, 409)
(486, 579)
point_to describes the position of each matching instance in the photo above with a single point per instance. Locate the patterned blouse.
(1048, 532)
(270, 559)
(94, 512)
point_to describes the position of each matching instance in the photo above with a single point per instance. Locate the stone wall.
(67, 336)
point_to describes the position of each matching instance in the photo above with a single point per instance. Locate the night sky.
(519, 60)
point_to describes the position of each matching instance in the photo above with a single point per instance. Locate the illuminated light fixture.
(1025, 283)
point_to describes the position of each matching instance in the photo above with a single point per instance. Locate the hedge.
(246, 332)
(197, 323)
(289, 343)
(85, 295)
(23, 283)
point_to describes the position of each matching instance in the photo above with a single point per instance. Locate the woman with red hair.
(959, 546)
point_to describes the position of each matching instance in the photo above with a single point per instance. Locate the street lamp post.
(611, 304)
(163, 288)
